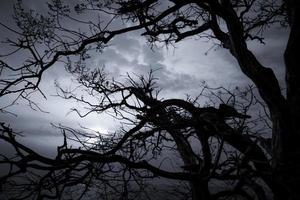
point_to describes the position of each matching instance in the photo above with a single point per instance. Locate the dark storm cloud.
(131, 54)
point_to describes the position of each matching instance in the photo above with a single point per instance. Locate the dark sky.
(181, 71)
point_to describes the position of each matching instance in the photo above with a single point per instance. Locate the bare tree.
(214, 146)
(48, 40)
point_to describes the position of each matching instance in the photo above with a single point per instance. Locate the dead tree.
(213, 144)
(47, 41)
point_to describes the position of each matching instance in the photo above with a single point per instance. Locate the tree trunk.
(285, 112)
(290, 173)
(200, 190)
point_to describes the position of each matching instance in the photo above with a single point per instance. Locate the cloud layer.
(181, 69)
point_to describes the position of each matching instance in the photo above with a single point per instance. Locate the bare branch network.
(214, 144)
(209, 141)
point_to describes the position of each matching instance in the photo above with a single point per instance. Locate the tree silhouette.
(213, 144)
(46, 41)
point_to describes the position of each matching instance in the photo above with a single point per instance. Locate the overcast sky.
(181, 70)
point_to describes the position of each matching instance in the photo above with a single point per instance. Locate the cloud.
(152, 56)
(126, 44)
(180, 72)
